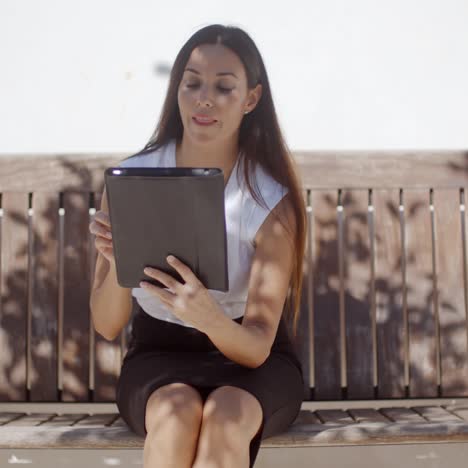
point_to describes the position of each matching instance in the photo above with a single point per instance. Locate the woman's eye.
(225, 90)
(221, 89)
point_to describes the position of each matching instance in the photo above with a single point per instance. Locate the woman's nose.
(204, 98)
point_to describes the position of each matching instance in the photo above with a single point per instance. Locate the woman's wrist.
(113, 274)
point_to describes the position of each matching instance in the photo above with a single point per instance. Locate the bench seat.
(316, 425)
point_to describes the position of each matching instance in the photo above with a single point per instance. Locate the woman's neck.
(222, 155)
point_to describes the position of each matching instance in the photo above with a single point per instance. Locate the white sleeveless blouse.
(244, 216)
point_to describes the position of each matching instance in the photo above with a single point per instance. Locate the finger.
(105, 233)
(164, 278)
(97, 230)
(184, 271)
(102, 243)
(102, 218)
(108, 253)
(165, 296)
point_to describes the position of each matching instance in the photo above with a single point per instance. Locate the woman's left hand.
(190, 302)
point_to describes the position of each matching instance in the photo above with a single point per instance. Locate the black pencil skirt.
(161, 352)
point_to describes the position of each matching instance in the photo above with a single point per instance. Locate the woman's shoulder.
(269, 193)
(151, 157)
(270, 189)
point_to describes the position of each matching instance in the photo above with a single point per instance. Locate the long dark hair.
(260, 138)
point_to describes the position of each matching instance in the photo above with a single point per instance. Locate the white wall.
(354, 74)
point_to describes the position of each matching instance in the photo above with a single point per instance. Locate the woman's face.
(213, 95)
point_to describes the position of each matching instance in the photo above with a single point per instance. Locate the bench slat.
(45, 277)
(304, 341)
(317, 169)
(423, 379)
(97, 420)
(326, 296)
(76, 282)
(402, 415)
(14, 294)
(6, 417)
(367, 415)
(305, 328)
(307, 417)
(107, 368)
(120, 437)
(61, 420)
(27, 420)
(451, 293)
(388, 294)
(391, 169)
(119, 422)
(357, 295)
(334, 417)
(460, 411)
(107, 354)
(436, 414)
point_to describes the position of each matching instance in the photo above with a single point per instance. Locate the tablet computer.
(155, 212)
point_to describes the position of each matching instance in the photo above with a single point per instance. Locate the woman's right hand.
(101, 228)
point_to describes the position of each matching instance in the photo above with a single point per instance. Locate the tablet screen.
(155, 212)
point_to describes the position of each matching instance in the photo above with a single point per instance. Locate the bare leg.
(231, 418)
(173, 417)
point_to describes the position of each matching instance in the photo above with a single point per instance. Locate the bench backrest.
(385, 289)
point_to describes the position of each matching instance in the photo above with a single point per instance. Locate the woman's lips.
(203, 120)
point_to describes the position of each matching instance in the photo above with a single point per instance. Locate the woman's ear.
(253, 98)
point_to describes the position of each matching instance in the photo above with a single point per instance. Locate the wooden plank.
(119, 422)
(368, 415)
(61, 420)
(389, 294)
(108, 358)
(14, 296)
(304, 342)
(420, 290)
(306, 417)
(107, 354)
(389, 169)
(97, 420)
(326, 297)
(83, 172)
(369, 434)
(333, 417)
(402, 415)
(436, 414)
(44, 297)
(357, 282)
(76, 298)
(33, 419)
(296, 436)
(337, 169)
(6, 417)
(450, 293)
(460, 411)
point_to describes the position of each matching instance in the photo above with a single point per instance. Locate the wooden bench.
(382, 336)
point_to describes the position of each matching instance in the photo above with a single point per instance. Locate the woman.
(209, 374)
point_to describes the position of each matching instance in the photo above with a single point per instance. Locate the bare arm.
(250, 343)
(111, 304)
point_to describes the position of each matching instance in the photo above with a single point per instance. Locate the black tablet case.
(155, 212)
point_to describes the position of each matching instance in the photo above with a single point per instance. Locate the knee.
(233, 411)
(176, 406)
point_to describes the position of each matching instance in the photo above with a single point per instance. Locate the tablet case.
(155, 212)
